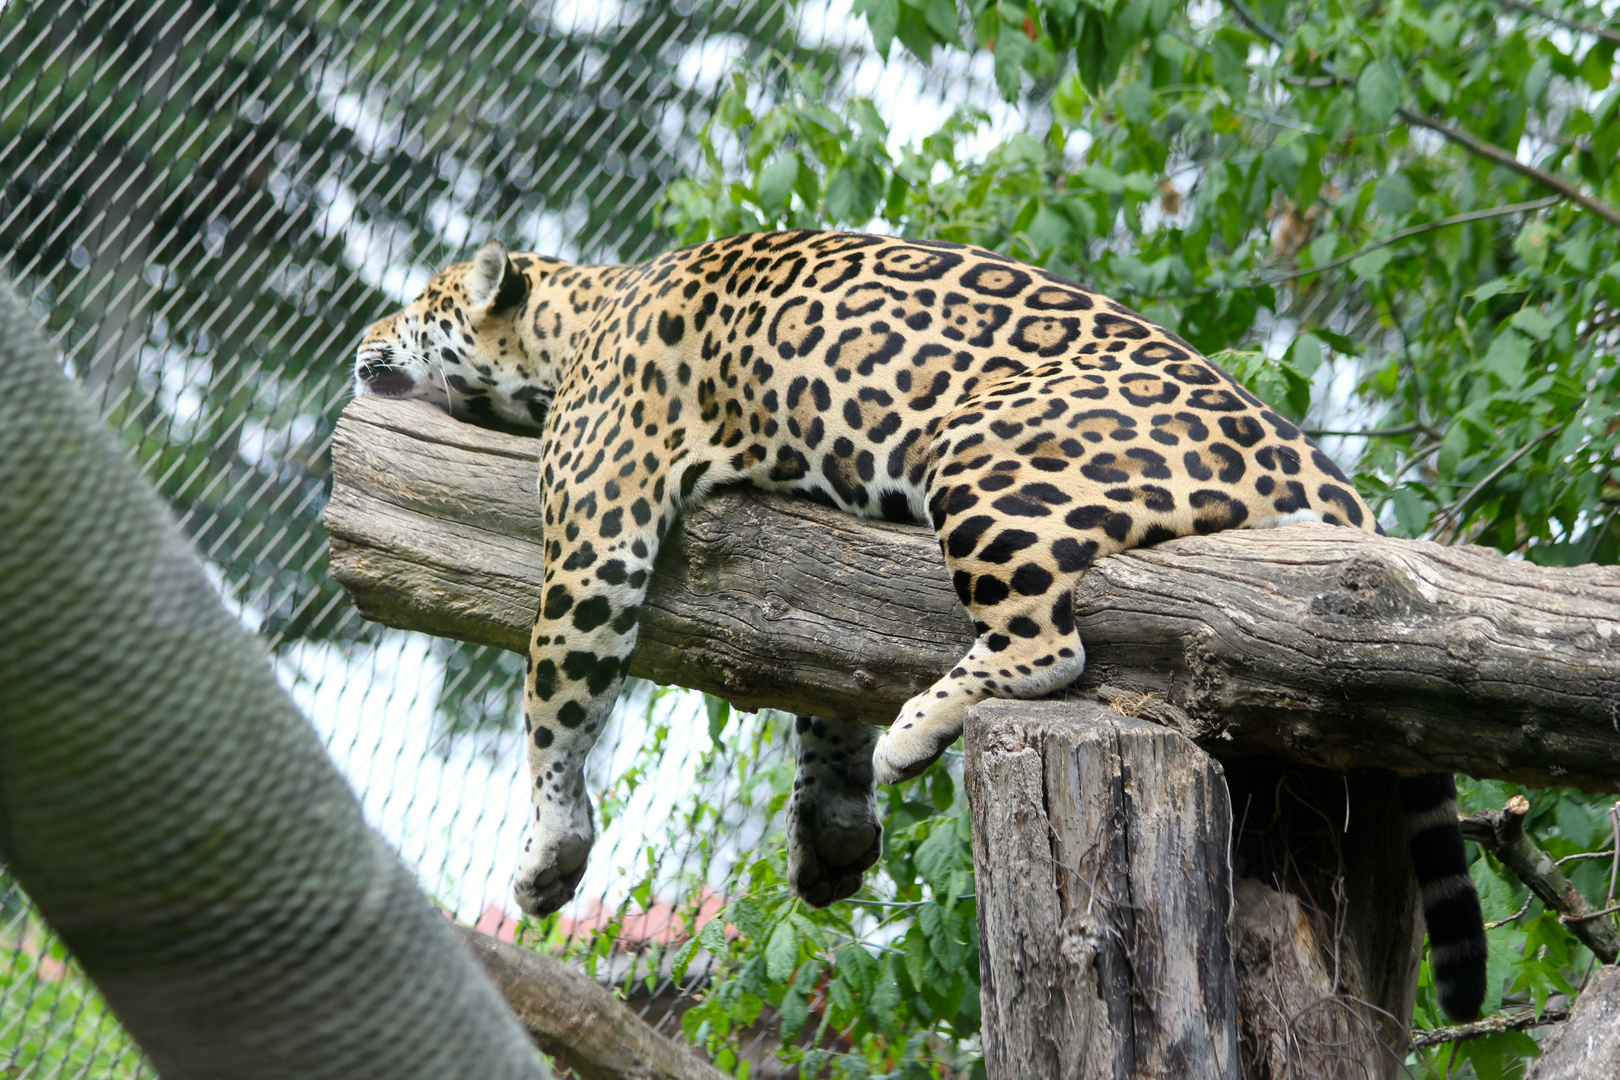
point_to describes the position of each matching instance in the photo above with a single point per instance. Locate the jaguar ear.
(494, 284)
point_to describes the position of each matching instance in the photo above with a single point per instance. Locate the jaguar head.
(471, 343)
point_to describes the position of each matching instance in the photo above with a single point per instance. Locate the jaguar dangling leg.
(834, 834)
(585, 630)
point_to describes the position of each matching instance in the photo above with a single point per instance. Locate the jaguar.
(1034, 424)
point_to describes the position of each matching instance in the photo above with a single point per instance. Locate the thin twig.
(1567, 919)
(1416, 230)
(1491, 1025)
(1371, 433)
(1457, 506)
(1516, 916)
(1481, 148)
(1471, 143)
(1614, 865)
(1585, 28)
(1502, 833)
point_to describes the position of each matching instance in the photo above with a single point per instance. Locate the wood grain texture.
(1587, 1045)
(1323, 645)
(578, 1021)
(1104, 891)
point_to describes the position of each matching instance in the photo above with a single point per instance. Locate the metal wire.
(206, 201)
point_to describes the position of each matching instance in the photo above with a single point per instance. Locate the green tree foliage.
(1396, 221)
(1311, 182)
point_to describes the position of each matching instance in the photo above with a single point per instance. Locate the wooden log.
(1587, 1045)
(1323, 645)
(578, 1021)
(1100, 862)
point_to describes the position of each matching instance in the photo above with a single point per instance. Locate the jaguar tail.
(1450, 901)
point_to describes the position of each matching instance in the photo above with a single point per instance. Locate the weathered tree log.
(1587, 1045)
(578, 1021)
(1323, 645)
(1100, 864)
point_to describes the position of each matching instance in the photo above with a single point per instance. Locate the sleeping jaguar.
(1036, 425)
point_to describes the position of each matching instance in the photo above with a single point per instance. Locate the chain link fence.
(205, 201)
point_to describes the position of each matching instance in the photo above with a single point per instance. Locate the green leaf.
(1136, 102)
(713, 938)
(1012, 48)
(1576, 823)
(1533, 242)
(719, 711)
(943, 19)
(782, 951)
(915, 33)
(1370, 266)
(1229, 56)
(1435, 84)
(1496, 287)
(1412, 511)
(1336, 341)
(936, 857)
(1454, 447)
(882, 18)
(1507, 356)
(1532, 322)
(1393, 196)
(776, 182)
(916, 949)
(682, 959)
(1378, 92)
(1103, 179)
(1305, 354)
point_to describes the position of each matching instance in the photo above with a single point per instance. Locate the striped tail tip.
(1450, 902)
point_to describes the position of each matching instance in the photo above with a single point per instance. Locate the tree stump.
(1327, 932)
(1100, 847)
(1111, 947)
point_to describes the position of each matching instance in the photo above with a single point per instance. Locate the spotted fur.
(1036, 425)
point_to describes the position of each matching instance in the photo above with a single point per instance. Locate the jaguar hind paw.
(834, 835)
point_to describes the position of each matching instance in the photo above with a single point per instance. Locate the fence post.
(1104, 890)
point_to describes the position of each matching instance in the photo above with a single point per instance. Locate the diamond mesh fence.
(205, 202)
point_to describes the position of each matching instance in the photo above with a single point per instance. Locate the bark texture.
(1502, 833)
(1327, 932)
(1100, 847)
(1323, 645)
(1587, 1045)
(579, 1022)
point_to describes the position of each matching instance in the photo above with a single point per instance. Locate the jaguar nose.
(386, 381)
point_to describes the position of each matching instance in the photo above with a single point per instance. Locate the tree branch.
(578, 1021)
(1471, 143)
(1501, 832)
(1457, 506)
(1325, 645)
(1404, 234)
(1570, 24)
(1491, 1025)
